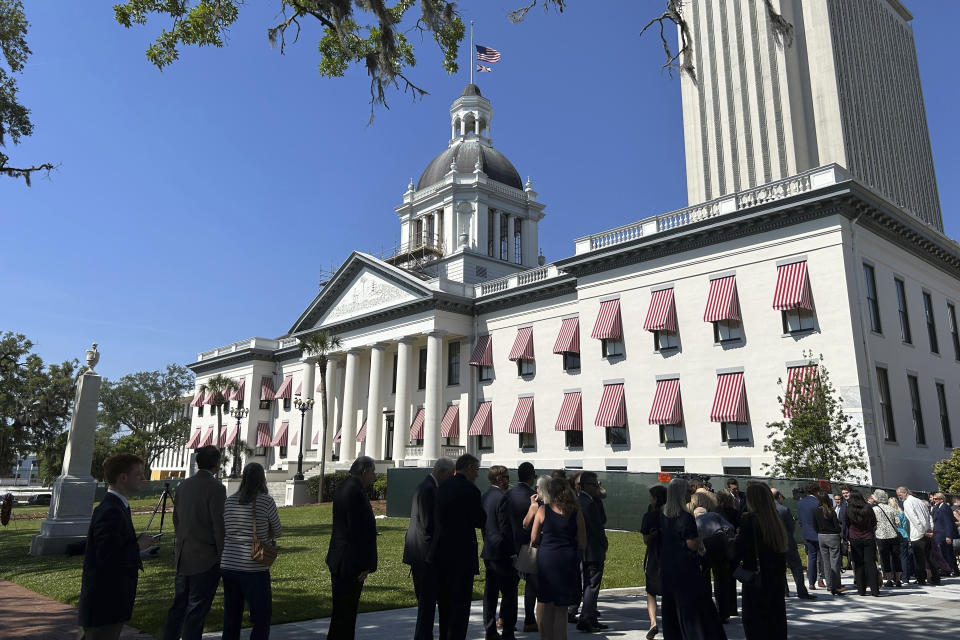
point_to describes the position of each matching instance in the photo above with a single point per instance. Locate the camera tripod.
(162, 508)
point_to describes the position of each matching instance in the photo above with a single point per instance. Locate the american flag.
(481, 68)
(486, 54)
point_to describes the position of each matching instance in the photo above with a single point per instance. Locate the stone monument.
(72, 501)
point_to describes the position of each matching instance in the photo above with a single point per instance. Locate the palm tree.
(319, 345)
(221, 386)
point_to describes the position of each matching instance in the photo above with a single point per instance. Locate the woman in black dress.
(650, 528)
(862, 523)
(762, 545)
(688, 611)
(561, 536)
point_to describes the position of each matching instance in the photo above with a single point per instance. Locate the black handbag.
(746, 576)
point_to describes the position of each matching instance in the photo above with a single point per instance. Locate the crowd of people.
(548, 532)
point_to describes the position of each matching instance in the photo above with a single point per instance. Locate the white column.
(331, 390)
(374, 417)
(511, 254)
(476, 124)
(308, 386)
(496, 233)
(348, 437)
(434, 396)
(401, 411)
(463, 127)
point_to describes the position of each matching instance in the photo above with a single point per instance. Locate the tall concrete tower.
(846, 91)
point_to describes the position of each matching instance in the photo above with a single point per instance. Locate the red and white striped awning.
(608, 325)
(223, 437)
(722, 301)
(482, 355)
(730, 400)
(523, 421)
(613, 409)
(416, 427)
(798, 380)
(450, 425)
(337, 437)
(207, 438)
(667, 408)
(362, 434)
(482, 424)
(197, 399)
(284, 392)
(319, 384)
(571, 413)
(211, 397)
(194, 441)
(662, 314)
(238, 394)
(568, 340)
(522, 345)
(793, 287)
(263, 434)
(280, 440)
(299, 390)
(231, 437)
(266, 388)
(295, 437)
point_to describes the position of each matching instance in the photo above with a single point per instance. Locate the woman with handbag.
(251, 524)
(650, 528)
(761, 549)
(888, 539)
(863, 544)
(687, 610)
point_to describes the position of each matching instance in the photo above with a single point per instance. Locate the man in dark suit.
(499, 550)
(944, 531)
(112, 556)
(806, 507)
(417, 543)
(518, 504)
(454, 553)
(352, 554)
(595, 518)
(198, 522)
(739, 497)
(793, 556)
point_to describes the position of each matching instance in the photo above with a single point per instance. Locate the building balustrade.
(413, 452)
(452, 451)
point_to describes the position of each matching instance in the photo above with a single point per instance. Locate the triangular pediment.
(362, 286)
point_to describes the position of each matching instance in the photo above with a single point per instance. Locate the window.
(518, 241)
(727, 331)
(797, 320)
(734, 432)
(264, 404)
(226, 407)
(491, 241)
(571, 361)
(260, 451)
(453, 364)
(388, 436)
(616, 436)
(904, 314)
(504, 224)
(873, 306)
(736, 471)
(486, 373)
(525, 367)
(283, 452)
(240, 403)
(952, 317)
(422, 370)
(671, 434)
(611, 348)
(200, 411)
(944, 417)
(663, 340)
(393, 380)
(886, 408)
(669, 468)
(573, 439)
(931, 322)
(286, 404)
(484, 443)
(917, 410)
(528, 440)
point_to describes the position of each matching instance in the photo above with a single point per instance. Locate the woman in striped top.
(244, 579)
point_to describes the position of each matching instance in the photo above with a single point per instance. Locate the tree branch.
(685, 50)
(25, 172)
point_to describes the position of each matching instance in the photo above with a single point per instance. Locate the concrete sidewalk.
(907, 613)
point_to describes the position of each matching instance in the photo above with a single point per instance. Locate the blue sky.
(197, 206)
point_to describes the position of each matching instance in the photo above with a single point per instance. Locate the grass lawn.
(301, 582)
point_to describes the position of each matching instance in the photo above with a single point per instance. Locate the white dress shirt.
(918, 516)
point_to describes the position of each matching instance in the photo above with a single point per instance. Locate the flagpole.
(472, 52)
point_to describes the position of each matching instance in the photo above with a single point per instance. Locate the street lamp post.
(239, 414)
(303, 406)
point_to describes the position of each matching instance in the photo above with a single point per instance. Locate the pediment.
(362, 286)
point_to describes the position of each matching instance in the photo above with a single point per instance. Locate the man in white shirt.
(921, 534)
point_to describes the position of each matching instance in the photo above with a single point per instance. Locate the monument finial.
(93, 357)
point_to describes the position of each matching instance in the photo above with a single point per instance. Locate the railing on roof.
(800, 183)
(518, 279)
(249, 343)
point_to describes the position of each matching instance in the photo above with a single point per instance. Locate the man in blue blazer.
(518, 503)
(944, 531)
(806, 506)
(595, 518)
(112, 555)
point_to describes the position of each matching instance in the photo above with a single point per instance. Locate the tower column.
(511, 253)
(476, 124)
(307, 386)
(374, 418)
(332, 386)
(401, 409)
(433, 397)
(348, 436)
(496, 233)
